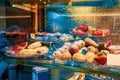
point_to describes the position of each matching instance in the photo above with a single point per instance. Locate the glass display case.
(54, 24)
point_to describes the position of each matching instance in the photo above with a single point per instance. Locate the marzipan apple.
(83, 27)
(73, 49)
(101, 59)
(80, 33)
(97, 33)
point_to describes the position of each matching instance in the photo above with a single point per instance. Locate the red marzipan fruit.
(23, 44)
(80, 33)
(101, 60)
(15, 49)
(83, 27)
(73, 49)
(97, 33)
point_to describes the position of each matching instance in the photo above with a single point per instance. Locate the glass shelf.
(50, 64)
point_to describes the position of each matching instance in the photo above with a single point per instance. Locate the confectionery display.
(86, 50)
(82, 30)
(25, 50)
(99, 32)
(51, 37)
(81, 48)
(17, 48)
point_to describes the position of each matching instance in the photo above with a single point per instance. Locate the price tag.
(113, 59)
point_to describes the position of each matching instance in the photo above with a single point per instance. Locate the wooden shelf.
(2, 17)
(26, 7)
(30, 8)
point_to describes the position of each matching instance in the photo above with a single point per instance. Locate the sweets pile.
(83, 29)
(25, 50)
(51, 37)
(86, 50)
(80, 30)
(99, 32)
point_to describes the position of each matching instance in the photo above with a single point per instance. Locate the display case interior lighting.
(101, 3)
(92, 11)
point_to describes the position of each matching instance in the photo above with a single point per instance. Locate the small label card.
(113, 59)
